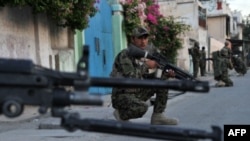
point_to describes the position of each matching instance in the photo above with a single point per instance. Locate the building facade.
(190, 12)
(211, 21)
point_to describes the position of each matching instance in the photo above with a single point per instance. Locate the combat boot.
(117, 116)
(229, 85)
(160, 119)
(220, 84)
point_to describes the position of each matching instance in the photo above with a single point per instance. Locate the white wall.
(186, 11)
(24, 35)
(17, 39)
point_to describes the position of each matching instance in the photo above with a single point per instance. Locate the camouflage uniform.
(239, 65)
(203, 62)
(195, 53)
(222, 61)
(131, 102)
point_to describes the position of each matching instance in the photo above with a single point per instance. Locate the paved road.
(197, 111)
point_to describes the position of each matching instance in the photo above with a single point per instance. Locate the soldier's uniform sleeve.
(126, 67)
(231, 66)
(129, 67)
(224, 52)
(197, 53)
(123, 66)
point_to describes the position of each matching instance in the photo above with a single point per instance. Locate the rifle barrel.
(141, 130)
(181, 85)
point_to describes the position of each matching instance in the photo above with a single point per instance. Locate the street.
(221, 106)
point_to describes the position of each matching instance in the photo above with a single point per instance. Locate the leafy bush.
(164, 31)
(74, 14)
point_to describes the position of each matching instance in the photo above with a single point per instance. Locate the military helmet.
(140, 31)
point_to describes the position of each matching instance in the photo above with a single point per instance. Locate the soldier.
(222, 64)
(130, 103)
(239, 65)
(195, 53)
(203, 61)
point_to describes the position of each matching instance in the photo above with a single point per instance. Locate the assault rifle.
(24, 83)
(164, 65)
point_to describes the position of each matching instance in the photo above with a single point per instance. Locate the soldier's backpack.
(239, 65)
(217, 64)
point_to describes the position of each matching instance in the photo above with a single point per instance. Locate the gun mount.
(24, 83)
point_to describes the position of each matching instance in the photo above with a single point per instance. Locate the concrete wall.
(217, 27)
(217, 20)
(203, 37)
(183, 59)
(215, 45)
(28, 36)
(237, 26)
(186, 11)
(17, 38)
(213, 10)
(168, 8)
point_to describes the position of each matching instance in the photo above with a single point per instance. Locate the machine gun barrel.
(76, 98)
(73, 122)
(184, 85)
(23, 83)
